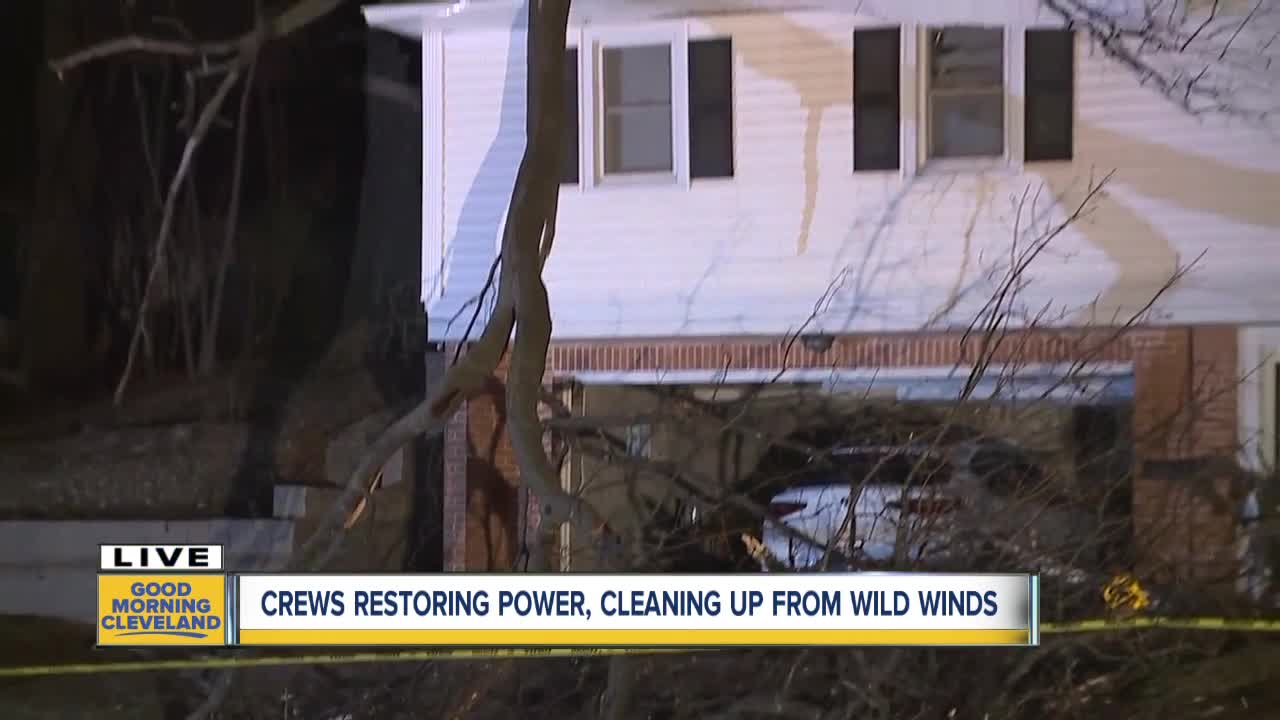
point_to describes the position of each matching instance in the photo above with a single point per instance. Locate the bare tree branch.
(521, 304)
(162, 238)
(208, 345)
(293, 18)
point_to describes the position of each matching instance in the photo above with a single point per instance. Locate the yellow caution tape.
(1166, 623)
(216, 663)
(425, 655)
(1124, 595)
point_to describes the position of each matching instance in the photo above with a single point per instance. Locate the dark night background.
(324, 260)
(285, 324)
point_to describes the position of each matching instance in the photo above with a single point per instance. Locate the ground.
(1237, 680)
(1224, 678)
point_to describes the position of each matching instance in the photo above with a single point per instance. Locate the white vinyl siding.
(754, 254)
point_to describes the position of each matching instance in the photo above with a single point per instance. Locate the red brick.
(1185, 404)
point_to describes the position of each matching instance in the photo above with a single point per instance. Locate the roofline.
(412, 19)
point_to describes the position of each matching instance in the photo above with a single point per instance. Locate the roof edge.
(412, 19)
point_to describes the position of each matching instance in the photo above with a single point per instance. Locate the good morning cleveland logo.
(161, 595)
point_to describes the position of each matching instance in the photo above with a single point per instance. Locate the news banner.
(180, 595)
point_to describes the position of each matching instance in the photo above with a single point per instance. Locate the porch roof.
(1091, 382)
(411, 19)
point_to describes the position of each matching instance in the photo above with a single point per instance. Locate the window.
(876, 83)
(569, 146)
(637, 109)
(711, 108)
(1050, 68)
(966, 92)
(637, 438)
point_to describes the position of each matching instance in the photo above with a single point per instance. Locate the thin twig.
(209, 343)
(162, 238)
(294, 18)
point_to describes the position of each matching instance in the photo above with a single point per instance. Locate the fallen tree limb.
(521, 304)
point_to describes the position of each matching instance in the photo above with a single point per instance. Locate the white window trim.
(1271, 410)
(644, 431)
(908, 85)
(1013, 69)
(1259, 416)
(568, 469)
(591, 135)
(914, 103)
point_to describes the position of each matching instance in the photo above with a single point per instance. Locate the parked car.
(934, 502)
(853, 509)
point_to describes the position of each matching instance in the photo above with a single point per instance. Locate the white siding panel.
(484, 84)
(756, 254)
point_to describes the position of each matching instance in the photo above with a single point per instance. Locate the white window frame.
(1269, 408)
(1258, 406)
(570, 474)
(591, 66)
(1013, 83)
(639, 439)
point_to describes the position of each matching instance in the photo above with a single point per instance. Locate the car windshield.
(873, 465)
(891, 466)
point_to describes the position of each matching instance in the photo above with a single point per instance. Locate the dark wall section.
(386, 276)
(386, 280)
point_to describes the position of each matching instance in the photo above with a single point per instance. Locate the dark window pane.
(638, 139)
(876, 138)
(1050, 61)
(711, 108)
(876, 112)
(637, 106)
(1048, 126)
(711, 145)
(711, 70)
(966, 58)
(875, 62)
(637, 75)
(967, 125)
(569, 148)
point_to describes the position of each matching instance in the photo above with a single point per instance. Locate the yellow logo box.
(175, 610)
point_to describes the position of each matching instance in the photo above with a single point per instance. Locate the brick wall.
(492, 512)
(897, 350)
(454, 493)
(1185, 407)
(481, 483)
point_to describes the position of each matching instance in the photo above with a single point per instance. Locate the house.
(741, 171)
